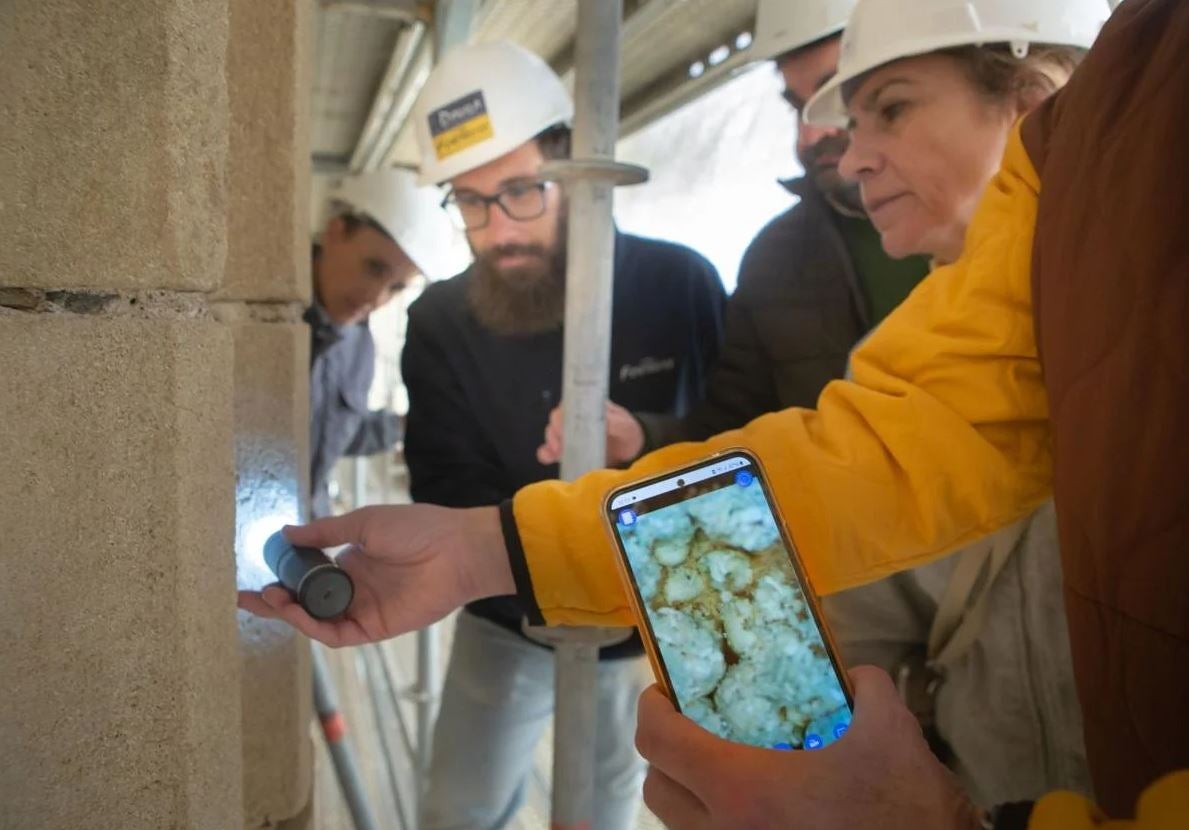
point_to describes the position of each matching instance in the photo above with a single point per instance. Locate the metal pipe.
(402, 104)
(395, 693)
(412, 59)
(359, 481)
(398, 123)
(575, 728)
(589, 270)
(591, 240)
(404, 10)
(389, 104)
(342, 753)
(379, 690)
(427, 699)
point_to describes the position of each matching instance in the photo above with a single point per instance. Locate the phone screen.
(737, 638)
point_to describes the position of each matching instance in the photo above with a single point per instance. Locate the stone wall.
(153, 391)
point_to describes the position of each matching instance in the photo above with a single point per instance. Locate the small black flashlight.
(321, 587)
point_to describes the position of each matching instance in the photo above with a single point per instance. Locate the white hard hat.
(882, 31)
(481, 102)
(412, 215)
(785, 25)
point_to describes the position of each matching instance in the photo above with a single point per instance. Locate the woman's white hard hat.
(882, 31)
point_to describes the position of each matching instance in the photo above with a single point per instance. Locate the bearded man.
(483, 367)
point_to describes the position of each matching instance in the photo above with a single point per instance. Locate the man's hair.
(554, 142)
(800, 50)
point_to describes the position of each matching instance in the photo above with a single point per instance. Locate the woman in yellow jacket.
(944, 435)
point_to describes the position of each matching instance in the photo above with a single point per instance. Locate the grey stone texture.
(114, 143)
(271, 440)
(119, 651)
(154, 159)
(268, 76)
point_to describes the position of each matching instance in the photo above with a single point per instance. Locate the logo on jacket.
(647, 366)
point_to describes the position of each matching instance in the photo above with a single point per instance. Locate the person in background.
(383, 230)
(811, 284)
(483, 367)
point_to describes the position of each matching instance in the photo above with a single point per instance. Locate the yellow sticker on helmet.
(459, 125)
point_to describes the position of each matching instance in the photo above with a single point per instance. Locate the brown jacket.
(1111, 304)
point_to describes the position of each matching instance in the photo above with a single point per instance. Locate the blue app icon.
(782, 745)
(813, 741)
(627, 518)
(840, 730)
(743, 478)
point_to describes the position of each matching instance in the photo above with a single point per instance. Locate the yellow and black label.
(459, 125)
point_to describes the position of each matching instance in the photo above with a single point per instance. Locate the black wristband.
(519, 565)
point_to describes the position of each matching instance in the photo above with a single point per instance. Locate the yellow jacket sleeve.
(1163, 806)
(941, 438)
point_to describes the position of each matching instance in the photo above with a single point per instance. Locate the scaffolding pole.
(426, 697)
(342, 753)
(589, 179)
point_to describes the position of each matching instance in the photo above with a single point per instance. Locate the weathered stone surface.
(307, 819)
(114, 143)
(271, 440)
(277, 712)
(268, 65)
(118, 645)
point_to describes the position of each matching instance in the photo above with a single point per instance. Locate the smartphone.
(729, 622)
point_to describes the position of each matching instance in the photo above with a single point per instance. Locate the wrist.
(485, 553)
(636, 438)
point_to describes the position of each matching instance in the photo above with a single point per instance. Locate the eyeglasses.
(521, 201)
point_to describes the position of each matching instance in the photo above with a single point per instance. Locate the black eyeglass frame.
(451, 201)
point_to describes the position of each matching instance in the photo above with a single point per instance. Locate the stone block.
(269, 62)
(277, 709)
(119, 658)
(272, 462)
(307, 819)
(114, 145)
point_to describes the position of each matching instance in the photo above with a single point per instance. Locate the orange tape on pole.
(334, 727)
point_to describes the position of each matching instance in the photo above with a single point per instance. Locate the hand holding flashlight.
(410, 566)
(319, 586)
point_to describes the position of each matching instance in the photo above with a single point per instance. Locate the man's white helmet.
(785, 25)
(882, 31)
(412, 215)
(481, 102)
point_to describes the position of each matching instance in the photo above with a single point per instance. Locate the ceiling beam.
(388, 95)
(405, 10)
(446, 24)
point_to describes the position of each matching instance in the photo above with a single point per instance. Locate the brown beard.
(523, 301)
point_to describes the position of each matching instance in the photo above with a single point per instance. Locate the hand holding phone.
(732, 630)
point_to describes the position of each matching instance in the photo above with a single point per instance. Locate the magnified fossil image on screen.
(731, 622)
